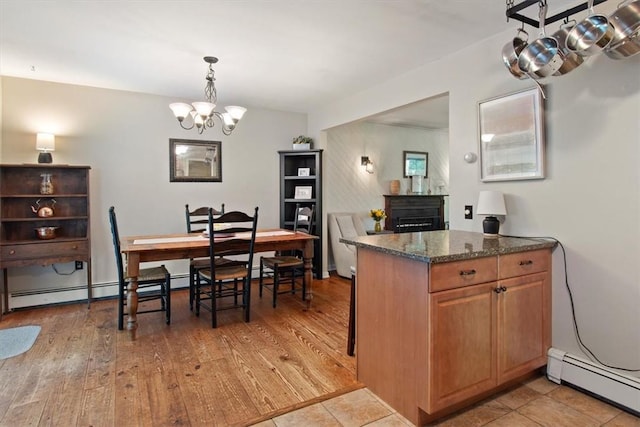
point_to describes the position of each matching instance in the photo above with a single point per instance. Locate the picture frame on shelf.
(303, 192)
(511, 136)
(304, 171)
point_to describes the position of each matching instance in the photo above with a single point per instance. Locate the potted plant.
(302, 142)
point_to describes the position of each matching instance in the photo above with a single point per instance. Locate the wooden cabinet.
(432, 337)
(20, 191)
(301, 183)
(487, 334)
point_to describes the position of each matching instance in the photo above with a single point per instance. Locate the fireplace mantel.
(414, 212)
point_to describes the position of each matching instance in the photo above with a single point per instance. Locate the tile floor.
(537, 402)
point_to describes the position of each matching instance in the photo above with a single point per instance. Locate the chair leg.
(214, 306)
(197, 295)
(304, 286)
(121, 307)
(351, 337)
(261, 276)
(192, 284)
(276, 282)
(167, 289)
(246, 293)
(235, 292)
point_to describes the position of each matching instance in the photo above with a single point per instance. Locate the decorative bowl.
(46, 233)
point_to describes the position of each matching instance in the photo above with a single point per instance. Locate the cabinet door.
(462, 344)
(524, 330)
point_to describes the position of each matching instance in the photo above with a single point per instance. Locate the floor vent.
(619, 389)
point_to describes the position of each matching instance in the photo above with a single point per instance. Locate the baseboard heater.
(619, 389)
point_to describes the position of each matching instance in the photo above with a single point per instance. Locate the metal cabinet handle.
(500, 289)
(503, 289)
(526, 262)
(467, 272)
(12, 252)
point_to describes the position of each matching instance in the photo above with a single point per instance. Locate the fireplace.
(414, 212)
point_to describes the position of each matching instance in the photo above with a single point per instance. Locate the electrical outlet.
(79, 265)
(468, 212)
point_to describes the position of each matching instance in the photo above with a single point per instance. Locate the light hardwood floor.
(287, 367)
(83, 371)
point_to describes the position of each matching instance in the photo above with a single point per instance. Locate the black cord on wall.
(63, 274)
(573, 310)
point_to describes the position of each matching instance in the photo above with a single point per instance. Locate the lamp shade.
(45, 142)
(491, 203)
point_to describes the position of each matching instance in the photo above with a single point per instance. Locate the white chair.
(344, 225)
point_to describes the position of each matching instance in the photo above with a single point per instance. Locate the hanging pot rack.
(514, 9)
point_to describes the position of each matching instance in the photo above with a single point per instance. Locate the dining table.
(151, 248)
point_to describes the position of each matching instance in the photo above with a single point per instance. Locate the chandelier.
(202, 113)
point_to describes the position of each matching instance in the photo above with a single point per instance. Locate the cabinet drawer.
(457, 274)
(44, 250)
(521, 263)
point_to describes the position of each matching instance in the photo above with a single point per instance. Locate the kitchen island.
(445, 318)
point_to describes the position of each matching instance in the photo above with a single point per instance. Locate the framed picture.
(304, 171)
(195, 161)
(303, 192)
(415, 163)
(511, 134)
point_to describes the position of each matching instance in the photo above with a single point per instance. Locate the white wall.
(124, 137)
(349, 185)
(589, 200)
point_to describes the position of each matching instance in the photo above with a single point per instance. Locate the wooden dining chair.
(197, 220)
(227, 286)
(153, 283)
(286, 268)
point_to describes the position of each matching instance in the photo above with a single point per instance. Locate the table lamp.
(45, 142)
(491, 203)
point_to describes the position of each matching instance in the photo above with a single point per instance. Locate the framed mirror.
(195, 161)
(415, 163)
(511, 133)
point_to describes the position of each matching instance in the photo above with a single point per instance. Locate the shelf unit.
(291, 161)
(19, 192)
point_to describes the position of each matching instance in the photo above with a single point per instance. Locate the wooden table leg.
(307, 256)
(133, 268)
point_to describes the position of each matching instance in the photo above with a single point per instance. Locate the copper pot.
(46, 233)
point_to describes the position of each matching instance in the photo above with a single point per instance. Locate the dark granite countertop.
(446, 245)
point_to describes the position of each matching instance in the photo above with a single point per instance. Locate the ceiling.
(287, 55)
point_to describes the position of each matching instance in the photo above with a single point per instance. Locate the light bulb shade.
(180, 109)
(45, 142)
(235, 112)
(228, 120)
(369, 167)
(204, 109)
(491, 203)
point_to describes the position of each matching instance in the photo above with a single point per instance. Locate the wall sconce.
(491, 203)
(368, 164)
(45, 142)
